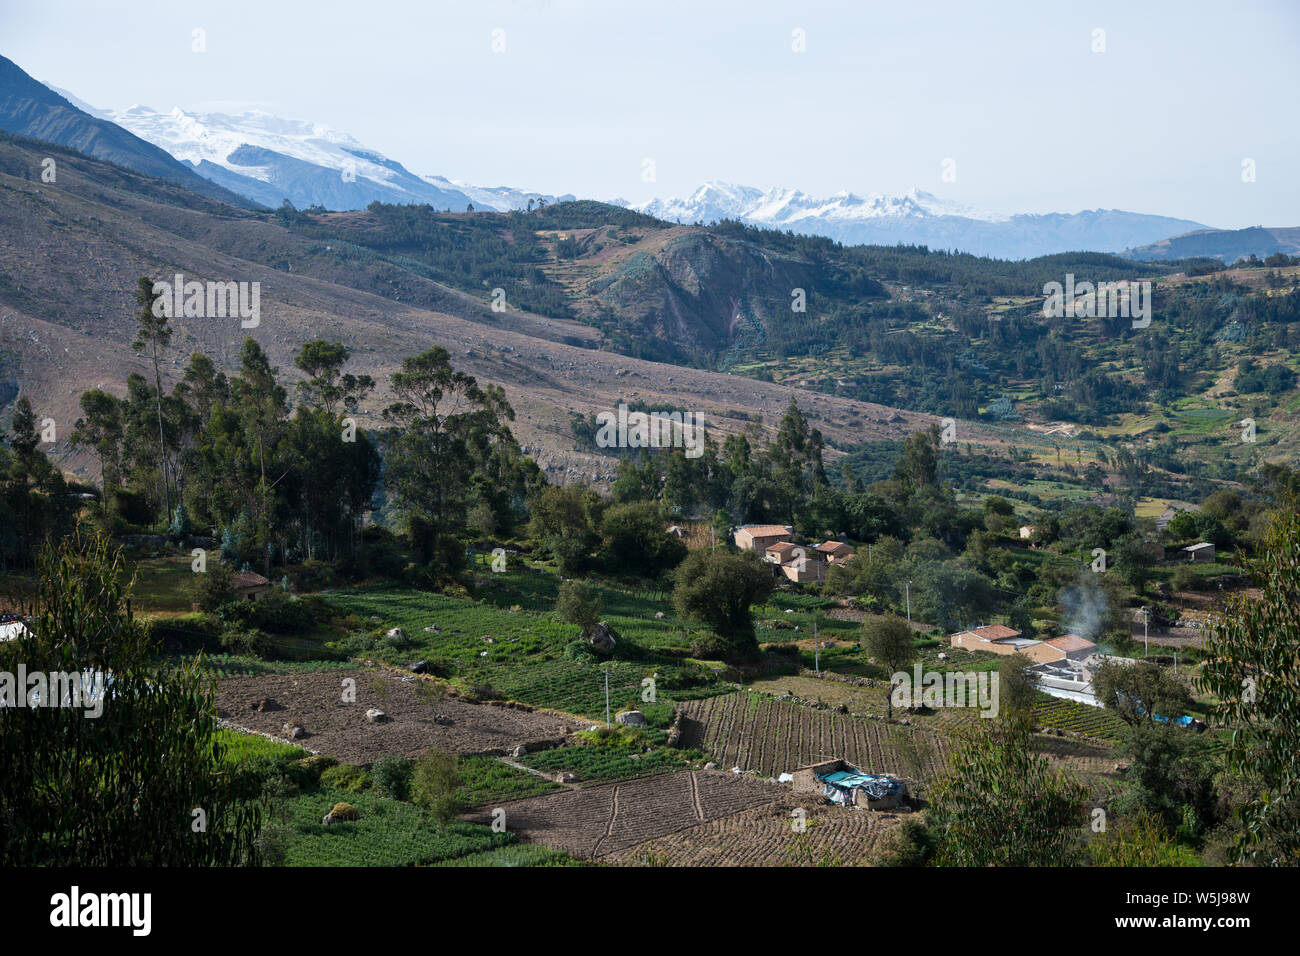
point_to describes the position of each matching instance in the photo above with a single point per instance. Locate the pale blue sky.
(584, 92)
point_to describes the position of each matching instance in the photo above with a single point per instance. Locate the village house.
(757, 537)
(250, 586)
(1000, 639)
(1074, 647)
(1200, 552)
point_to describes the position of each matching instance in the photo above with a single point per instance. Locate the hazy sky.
(583, 93)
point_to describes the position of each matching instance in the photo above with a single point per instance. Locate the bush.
(345, 776)
(433, 785)
(344, 811)
(391, 776)
(578, 651)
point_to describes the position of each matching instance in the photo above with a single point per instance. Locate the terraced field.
(771, 737)
(595, 821)
(766, 836)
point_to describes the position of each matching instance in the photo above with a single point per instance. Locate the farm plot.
(766, 836)
(595, 821)
(340, 729)
(771, 737)
(860, 700)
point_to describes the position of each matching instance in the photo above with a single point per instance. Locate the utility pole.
(908, 590)
(606, 699)
(817, 658)
(1146, 643)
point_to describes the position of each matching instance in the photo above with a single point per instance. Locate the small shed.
(249, 585)
(841, 782)
(1202, 552)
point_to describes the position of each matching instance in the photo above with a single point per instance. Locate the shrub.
(344, 811)
(345, 776)
(391, 776)
(433, 785)
(578, 651)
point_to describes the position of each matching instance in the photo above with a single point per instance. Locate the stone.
(376, 716)
(520, 751)
(566, 776)
(602, 637)
(264, 704)
(710, 766)
(630, 718)
(395, 634)
(444, 720)
(419, 667)
(659, 615)
(295, 731)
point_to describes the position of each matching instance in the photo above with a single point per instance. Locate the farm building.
(841, 782)
(757, 537)
(835, 552)
(1026, 531)
(999, 639)
(249, 585)
(1202, 552)
(1074, 647)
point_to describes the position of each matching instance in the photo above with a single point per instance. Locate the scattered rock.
(444, 720)
(419, 667)
(659, 615)
(631, 718)
(520, 751)
(395, 634)
(433, 629)
(263, 705)
(602, 637)
(710, 766)
(295, 731)
(1121, 768)
(377, 716)
(566, 776)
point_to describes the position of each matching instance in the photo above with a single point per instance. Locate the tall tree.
(154, 335)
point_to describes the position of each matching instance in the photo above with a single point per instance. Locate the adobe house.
(1000, 639)
(1074, 647)
(249, 585)
(757, 537)
(841, 782)
(835, 552)
(1170, 512)
(1197, 553)
(795, 561)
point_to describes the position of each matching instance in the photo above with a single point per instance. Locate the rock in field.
(376, 716)
(631, 718)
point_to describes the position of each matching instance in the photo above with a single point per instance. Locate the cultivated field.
(766, 836)
(593, 822)
(772, 737)
(340, 729)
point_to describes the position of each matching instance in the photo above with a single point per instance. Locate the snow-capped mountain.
(268, 159)
(917, 217)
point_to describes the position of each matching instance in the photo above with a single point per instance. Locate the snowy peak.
(781, 207)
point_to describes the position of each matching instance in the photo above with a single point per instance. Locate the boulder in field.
(376, 716)
(419, 667)
(294, 730)
(395, 634)
(602, 637)
(631, 718)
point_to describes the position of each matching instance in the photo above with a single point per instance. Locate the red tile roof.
(1071, 642)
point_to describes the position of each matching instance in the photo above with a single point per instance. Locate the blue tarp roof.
(847, 778)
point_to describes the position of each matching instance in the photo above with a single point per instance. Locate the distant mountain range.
(919, 218)
(266, 159)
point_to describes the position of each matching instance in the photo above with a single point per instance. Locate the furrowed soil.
(769, 836)
(340, 729)
(771, 737)
(594, 822)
